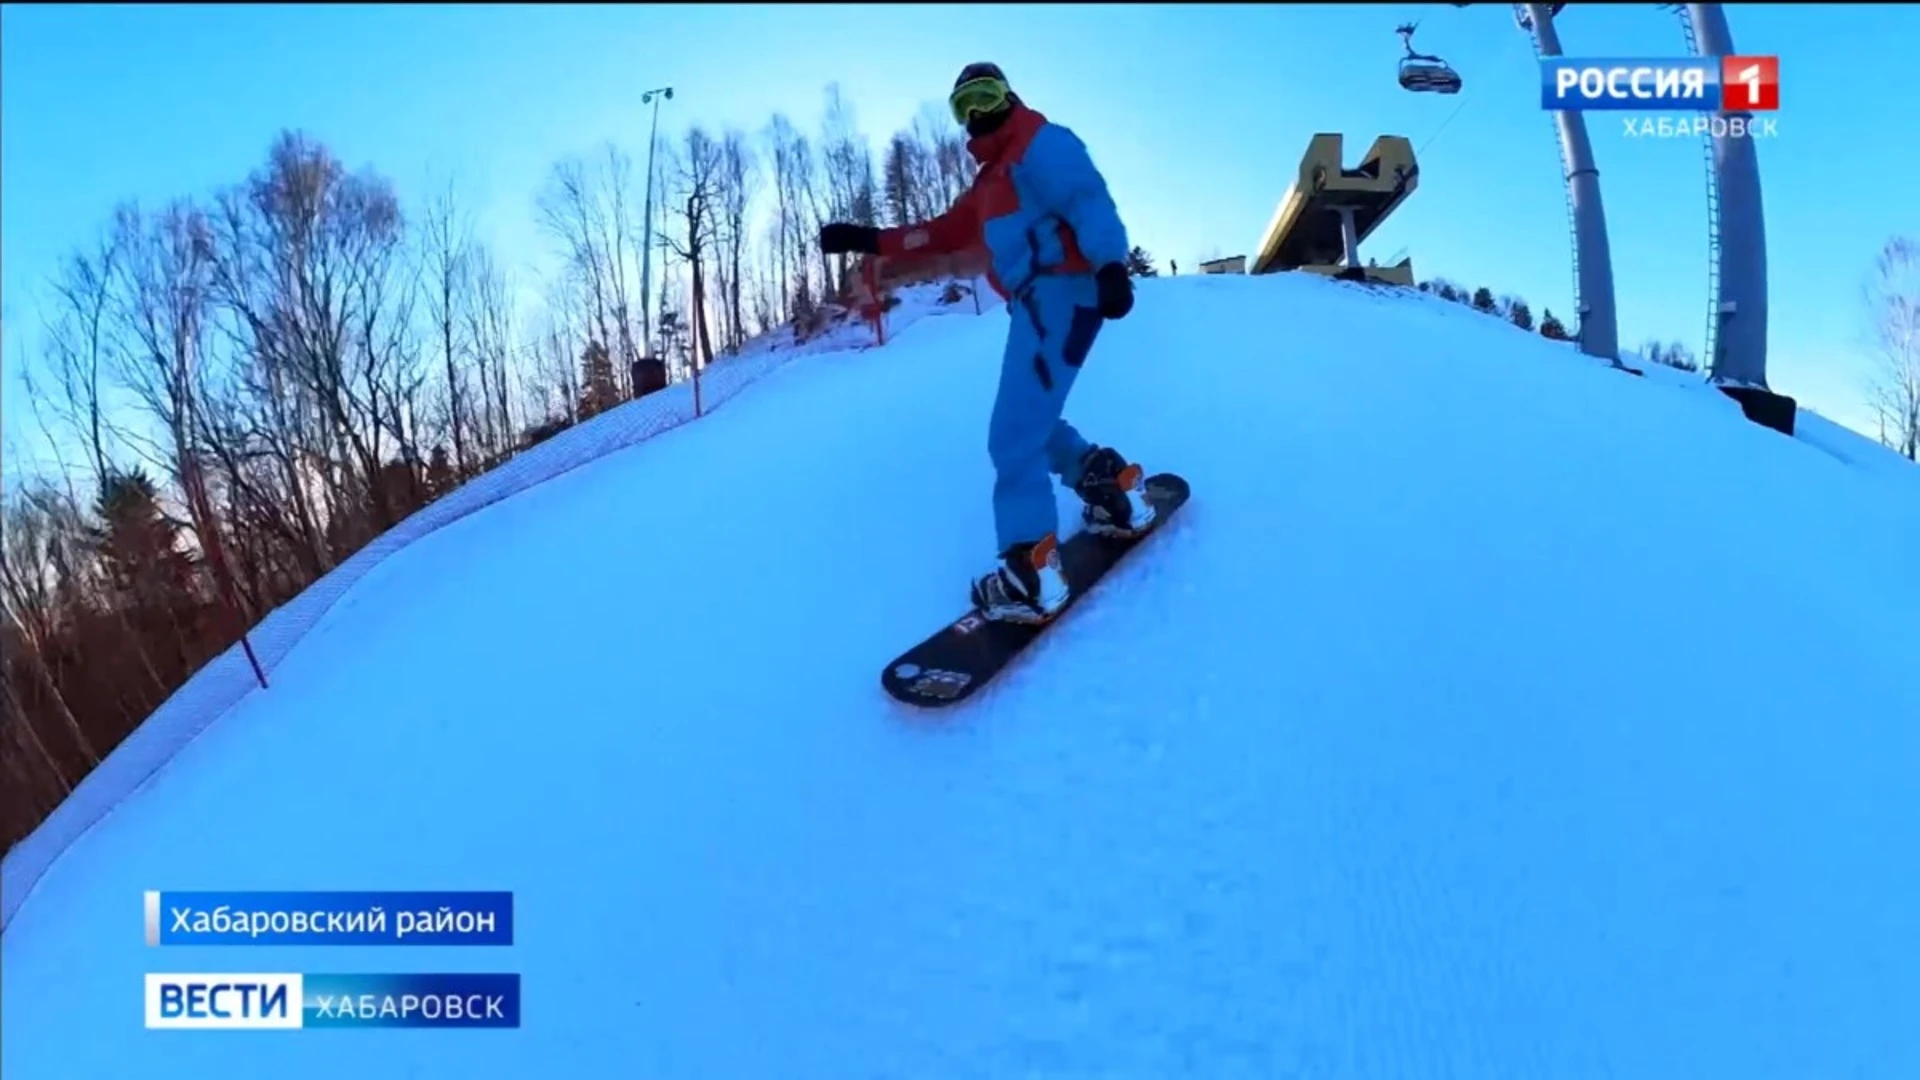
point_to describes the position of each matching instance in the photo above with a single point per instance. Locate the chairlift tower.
(1736, 344)
(1599, 332)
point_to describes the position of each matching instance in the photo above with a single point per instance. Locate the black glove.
(840, 238)
(1116, 291)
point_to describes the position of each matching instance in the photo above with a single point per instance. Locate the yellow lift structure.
(1330, 209)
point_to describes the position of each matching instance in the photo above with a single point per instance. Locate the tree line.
(1893, 308)
(235, 391)
(1516, 311)
(1892, 305)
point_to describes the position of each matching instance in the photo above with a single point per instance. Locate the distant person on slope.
(1043, 213)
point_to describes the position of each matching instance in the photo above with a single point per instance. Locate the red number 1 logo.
(1749, 83)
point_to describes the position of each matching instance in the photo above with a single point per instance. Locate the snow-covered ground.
(1487, 714)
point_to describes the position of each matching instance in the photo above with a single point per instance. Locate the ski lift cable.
(1500, 76)
(1428, 141)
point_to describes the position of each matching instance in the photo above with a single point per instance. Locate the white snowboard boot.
(1026, 587)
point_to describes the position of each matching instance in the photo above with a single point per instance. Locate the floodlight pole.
(651, 97)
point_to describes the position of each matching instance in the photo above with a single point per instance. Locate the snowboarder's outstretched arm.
(950, 233)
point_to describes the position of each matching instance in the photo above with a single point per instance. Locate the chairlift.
(1422, 73)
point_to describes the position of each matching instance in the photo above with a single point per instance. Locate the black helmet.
(981, 70)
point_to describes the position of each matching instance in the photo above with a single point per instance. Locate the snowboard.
(955, 661)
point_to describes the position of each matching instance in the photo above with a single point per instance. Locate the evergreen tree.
(136, 542)
(866, 200)
(1676, 355)
(1140, 263)
(897, 167)
(598, 390)
(1520, 314)
(440, 475)
(1550, 327)
(1483, 299)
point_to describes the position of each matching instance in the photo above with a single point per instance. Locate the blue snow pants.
(1053, 324)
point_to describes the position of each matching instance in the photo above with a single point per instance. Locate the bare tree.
(925, 169)
(779, 137)
(446, 241)
(570, 213)
(949, 167)
(769, 294)
(589, 210)
(490, 333)
(796, 214)
(551, 383)
(306, 261)
(268, 431)
(80, 340)
(847, 164)
(734, 182)
(814, 214)
(622, 245)
(43, 566)
(697, 179)
(1893, 296)
(165, 312)
(161, 308)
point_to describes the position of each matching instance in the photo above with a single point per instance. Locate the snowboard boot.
(1027, 586)
(1115, 493)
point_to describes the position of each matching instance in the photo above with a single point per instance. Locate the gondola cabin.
(1427, 76)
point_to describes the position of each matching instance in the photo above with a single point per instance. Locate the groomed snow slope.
(1486, 714)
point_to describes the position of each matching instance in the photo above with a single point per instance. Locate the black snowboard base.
(958, 659)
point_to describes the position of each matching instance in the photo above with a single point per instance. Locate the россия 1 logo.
(1722, 93)
(1691, 84)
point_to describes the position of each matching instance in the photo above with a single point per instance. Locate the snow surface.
(1486, 714)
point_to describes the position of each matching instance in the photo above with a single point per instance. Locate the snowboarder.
(1058, 255)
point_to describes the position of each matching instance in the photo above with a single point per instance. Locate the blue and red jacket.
(1038, 206)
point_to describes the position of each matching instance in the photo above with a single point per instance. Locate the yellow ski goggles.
(977, 96)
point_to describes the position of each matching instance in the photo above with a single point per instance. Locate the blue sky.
(1198, 114)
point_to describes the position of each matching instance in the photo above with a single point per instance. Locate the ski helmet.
(982, 70)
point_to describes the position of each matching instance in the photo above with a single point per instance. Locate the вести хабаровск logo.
(286, 1000)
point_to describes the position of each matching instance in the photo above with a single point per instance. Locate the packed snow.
(1487, 713)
